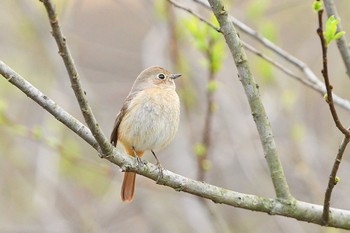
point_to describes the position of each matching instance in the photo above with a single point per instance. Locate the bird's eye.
(161, 76)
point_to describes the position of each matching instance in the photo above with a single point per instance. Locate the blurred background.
(52, 181)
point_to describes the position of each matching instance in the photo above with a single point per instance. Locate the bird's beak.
(175, 76)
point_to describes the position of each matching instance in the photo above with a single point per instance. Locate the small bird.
(148, 119)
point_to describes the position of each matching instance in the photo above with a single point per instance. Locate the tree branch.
(48, 104)
(329, 87)
(80, 94)
(256, 106)
(194, 14)
(342, 43)
(309, 74)
(332, 178)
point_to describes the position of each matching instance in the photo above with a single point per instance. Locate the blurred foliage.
(212, 86)
(207, 41)
(76, 167)
(257, 8)
(269, 30)
(73, 164)
(264, 70)
(298, 132)
(289, 98)
(199, 149)
(214, 107)
(206, 164)
(256, 12)
(160, 9)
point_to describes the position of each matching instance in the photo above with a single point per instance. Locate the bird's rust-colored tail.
(128, 187)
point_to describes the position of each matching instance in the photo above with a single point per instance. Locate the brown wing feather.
(121, 114)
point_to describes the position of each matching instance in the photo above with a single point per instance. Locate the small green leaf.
(336, 180)
(338, 35)
(331, 25)
(331, 30)
(200, 149)
(317, 6)
(325, 96)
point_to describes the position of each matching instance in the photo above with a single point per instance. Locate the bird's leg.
(139, 161)
(160, 174)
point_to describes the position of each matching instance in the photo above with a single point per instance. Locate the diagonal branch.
(194, 14)
(106, 147)
(256, 106)
(342, 43)
(309, 74)
(332, 178)
(48, 104)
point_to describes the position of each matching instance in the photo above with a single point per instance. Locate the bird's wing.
(121, 114)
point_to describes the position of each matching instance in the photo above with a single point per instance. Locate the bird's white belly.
(152, 120)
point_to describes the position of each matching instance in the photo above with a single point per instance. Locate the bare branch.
(257, 108)
(194, 14)
(48, 104)
(333, 180)
(326, 78)
(317, 85)
(346, 132)
(80, 94)
(342, 43)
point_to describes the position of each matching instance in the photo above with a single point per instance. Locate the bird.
(148, 119)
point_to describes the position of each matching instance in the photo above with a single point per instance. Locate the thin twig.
(342, 43)
(333, 180)
(280, 67)
(257, 108)
(326, 78)
(80, 94)
(309, 74)
(208, 120)
(194, 14)
(329, 99)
